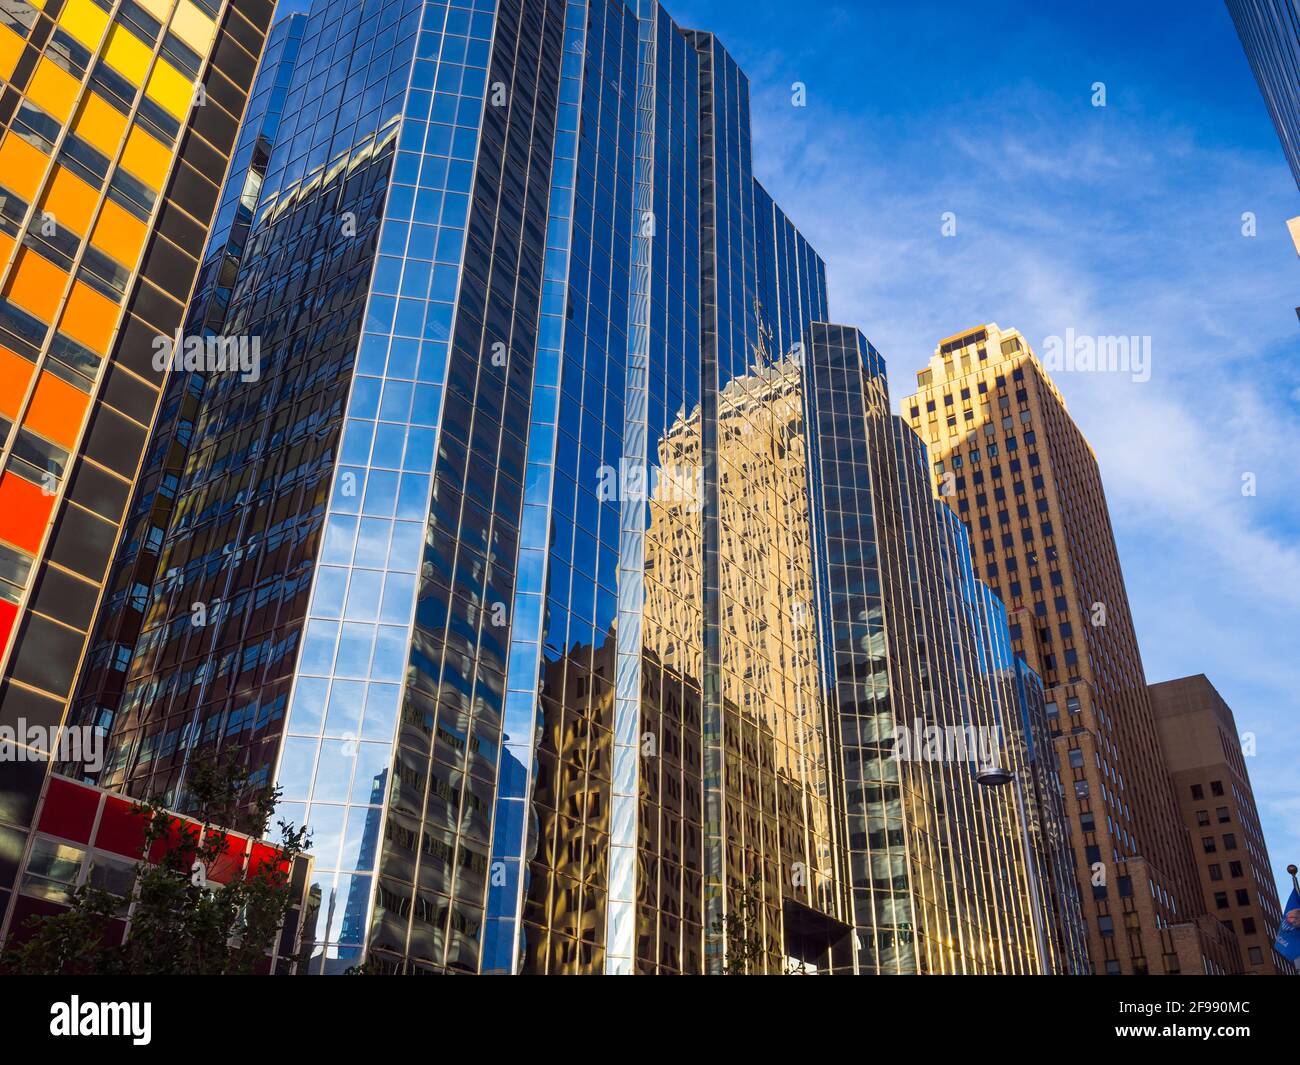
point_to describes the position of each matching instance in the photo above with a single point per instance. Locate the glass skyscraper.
(569, 580)
(1270, 34)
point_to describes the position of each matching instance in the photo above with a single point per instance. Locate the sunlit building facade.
(917, 652)
(117, 121)
(513, 567)
(1013, 466)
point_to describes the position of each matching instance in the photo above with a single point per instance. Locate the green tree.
(180, 922)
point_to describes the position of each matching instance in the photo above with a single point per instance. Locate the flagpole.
(1294, 882)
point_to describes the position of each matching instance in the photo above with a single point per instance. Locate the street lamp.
(995, 776)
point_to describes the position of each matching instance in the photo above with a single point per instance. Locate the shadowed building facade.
(1207, 768)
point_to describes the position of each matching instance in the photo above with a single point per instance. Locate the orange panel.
(70, 200)
(24, 512)
(36, 284)
(6, 246)
(15, 375)
(56, 411)
(22, 166)
(100, 124)
(53, 90)
(119, 233)
(89, 317)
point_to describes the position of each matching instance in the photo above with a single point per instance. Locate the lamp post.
(994, 776)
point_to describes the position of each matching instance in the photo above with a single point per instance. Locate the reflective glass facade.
(1270, 34)
(522, 566)
(913, 642)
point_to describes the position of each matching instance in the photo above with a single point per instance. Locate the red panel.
(8, 613)
(69, 810)
(25, 908)
(182, 837)
(120, 829)
(24, 512)
(231, 861)
(264, 854)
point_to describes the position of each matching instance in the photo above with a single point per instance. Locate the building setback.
(1206, 766)
(570, 582)
(117, 121)
(1012, 464)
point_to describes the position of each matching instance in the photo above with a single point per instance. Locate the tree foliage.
(180, 922)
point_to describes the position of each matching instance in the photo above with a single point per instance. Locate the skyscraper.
(1012, 464)
(116, 124)
(1270, 34)
(1203, 752)
(531, 565)
(917, 646)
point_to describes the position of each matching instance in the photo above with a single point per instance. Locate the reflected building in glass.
(568, 579)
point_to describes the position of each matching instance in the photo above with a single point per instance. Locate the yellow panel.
(146, 158)
(119, 234)
(170, 89)
(22, 165)
(126, 54)
(193, 27)
(53, 90)
(157, 8)
(11, 47)
(70, 200)
(100, 124)
(84, 21)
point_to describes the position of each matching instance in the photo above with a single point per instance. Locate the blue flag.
(1288, 935)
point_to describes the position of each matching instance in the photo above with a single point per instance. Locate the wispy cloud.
(1108, 222)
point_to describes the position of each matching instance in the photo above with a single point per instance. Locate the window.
(1112, 967)
(1248, 926)
(1080, 789)
(1234, 869)
(1221, 813)
(1216, 787)
(1198, 792)
(1208, 843)
(52, 869)
(1256, 956)
(1243, 897)
(1076, 759)
(1202, 817)
(1216, 872)
(1106, 925)
(1221, 899)
(1229, 841)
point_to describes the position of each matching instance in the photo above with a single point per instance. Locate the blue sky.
(1122, 220)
